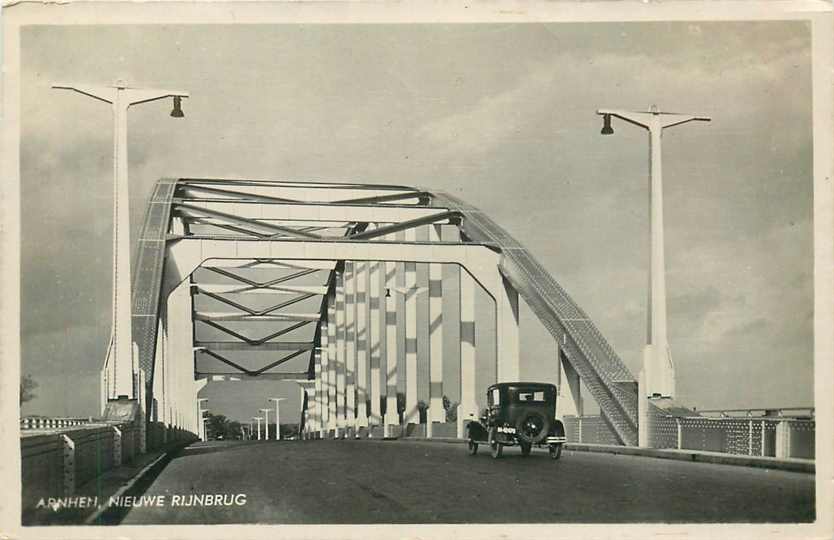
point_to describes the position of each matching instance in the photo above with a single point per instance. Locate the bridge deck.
(365, 481)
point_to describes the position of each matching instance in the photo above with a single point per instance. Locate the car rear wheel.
(526, 448)
(555, 451)
(496, 447)
(532, 427)
(472, 447)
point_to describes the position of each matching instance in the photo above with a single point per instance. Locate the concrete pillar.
(375, 309)
(569, 401)
(506, 311)
(159, 414)
(783, 439)
(468, 409)
(411, 414)
(642, 411)
(180, 338)
(68, 455)
(391, 415)
(333, 425)
(350, 346)
(361, 278)
(320, 368)
(451, 317)
(436, 413)
(424, 234)
(340, 353)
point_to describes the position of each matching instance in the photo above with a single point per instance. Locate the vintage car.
(518, 414)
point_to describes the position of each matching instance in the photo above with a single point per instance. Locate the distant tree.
(451, 408)
(422, 409)
(400, 405)
(217, 424)
(27, 388)
(233, 430)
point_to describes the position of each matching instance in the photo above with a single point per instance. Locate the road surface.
(318, 482)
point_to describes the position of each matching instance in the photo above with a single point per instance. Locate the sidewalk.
(788, 464)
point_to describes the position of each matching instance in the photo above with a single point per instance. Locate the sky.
(501, 115)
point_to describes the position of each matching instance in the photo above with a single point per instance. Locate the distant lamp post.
(266, 423)
(277, 417)
(201, 426)
(120, 96)
(258, 418)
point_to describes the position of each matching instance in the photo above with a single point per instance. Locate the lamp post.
(266, 423)
(277, 417)
(657, 377)
(121, 97)
(201, 428)
(258, 418)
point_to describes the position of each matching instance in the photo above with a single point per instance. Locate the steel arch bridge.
(243, 278)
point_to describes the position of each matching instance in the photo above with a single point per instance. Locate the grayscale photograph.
(486, 272)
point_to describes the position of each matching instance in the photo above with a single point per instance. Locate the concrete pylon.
(376, 318)
(350, 348)
(326, 382)
(436, 413)
(391, 414)
(361, 278)
(332, 423)
(468, 409)
(411, 414)
(569, 401)
(341, 362)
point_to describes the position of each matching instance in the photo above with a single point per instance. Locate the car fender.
(476, 431)
(558, 428)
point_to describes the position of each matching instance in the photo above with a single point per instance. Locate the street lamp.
(258, 418)
(657, 378)
(277, 417)
(201, 428)
(266, 423)
(120, 96)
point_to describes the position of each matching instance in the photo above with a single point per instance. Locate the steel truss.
(261, 212)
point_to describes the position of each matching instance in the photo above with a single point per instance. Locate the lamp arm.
(102, 93)
(680, 119)
(639, 119)
(139, 95)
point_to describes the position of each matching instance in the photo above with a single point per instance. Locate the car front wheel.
(496, 447)
(472, 447)
(555, 451)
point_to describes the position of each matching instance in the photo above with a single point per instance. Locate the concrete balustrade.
(57, 464)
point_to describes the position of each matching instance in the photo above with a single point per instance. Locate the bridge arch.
(366, 242)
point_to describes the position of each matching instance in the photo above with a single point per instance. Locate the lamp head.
(606, 125)
(177, 111)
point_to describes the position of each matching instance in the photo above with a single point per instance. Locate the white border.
(18, 14)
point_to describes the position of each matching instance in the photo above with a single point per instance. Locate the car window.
(496, 396)
(525, 395)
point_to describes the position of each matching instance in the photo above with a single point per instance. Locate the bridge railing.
(41, 422)
(780, 433)
(56, 462)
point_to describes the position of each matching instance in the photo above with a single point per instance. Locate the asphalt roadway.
(373, 481)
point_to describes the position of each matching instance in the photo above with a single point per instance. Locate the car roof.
(522, 384)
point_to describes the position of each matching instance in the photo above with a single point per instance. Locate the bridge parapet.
(788, 435)
(55, 462)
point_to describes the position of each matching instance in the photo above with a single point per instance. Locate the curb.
(793, 465)
(698, 456)
(135, 484)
